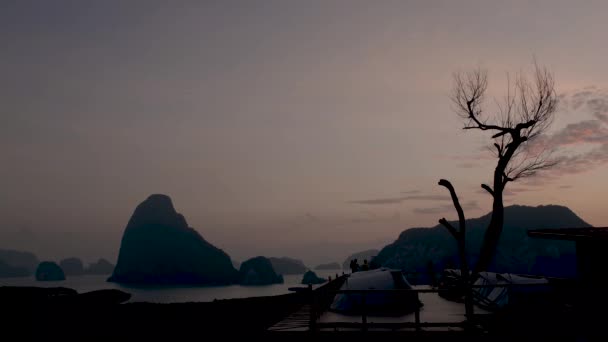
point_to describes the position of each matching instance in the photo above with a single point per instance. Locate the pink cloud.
(584, 132)
(587, 133)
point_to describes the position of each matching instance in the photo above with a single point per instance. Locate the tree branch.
(506, 179)
(488, 189)
(451, 228)
(499, 149)
(500, 134)
(525, 125)
(448, 185)
(484, 127)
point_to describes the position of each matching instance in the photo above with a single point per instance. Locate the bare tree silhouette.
(525, 113)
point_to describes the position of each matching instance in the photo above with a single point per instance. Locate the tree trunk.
(492, 235)
(466, 279)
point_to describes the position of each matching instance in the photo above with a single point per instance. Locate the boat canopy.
(377, 303)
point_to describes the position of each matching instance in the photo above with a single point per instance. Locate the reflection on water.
(165, 294)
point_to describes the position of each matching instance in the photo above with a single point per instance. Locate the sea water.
(169, 294)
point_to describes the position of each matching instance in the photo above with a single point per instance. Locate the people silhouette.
(365, 266)
(352, 266)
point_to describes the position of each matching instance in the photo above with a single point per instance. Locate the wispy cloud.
(584, 132)
(389, 200)
(444, 208)
(517, 190)
(396, 200)
(433, 210)
(583, 162)
(369, 217)
(467, 165)
(428, 198)
(590, 136)
(592, 99)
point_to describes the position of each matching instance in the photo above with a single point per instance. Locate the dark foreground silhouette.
(45, 314)
(62, 314)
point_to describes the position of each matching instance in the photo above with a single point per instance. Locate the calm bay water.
(166, 294)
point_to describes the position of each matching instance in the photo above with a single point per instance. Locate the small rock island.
(311, 277)
(258, 271)
(49, 271)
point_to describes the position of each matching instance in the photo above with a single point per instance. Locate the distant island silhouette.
(72, 266)
(100, 267)
(286, 266)
(258, 271)
(49, 271)
(158, 247)
(24, 264)
(17, 263)
(517, 253)
(311, 277)
(10, 271)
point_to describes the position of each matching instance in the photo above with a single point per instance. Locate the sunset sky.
(278, 126)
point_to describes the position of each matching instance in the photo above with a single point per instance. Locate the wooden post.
(313, 314)
(468, 305)
(417, 318)
(320, 302)
(363, 312)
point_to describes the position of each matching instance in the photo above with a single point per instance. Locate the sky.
(310, 129)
